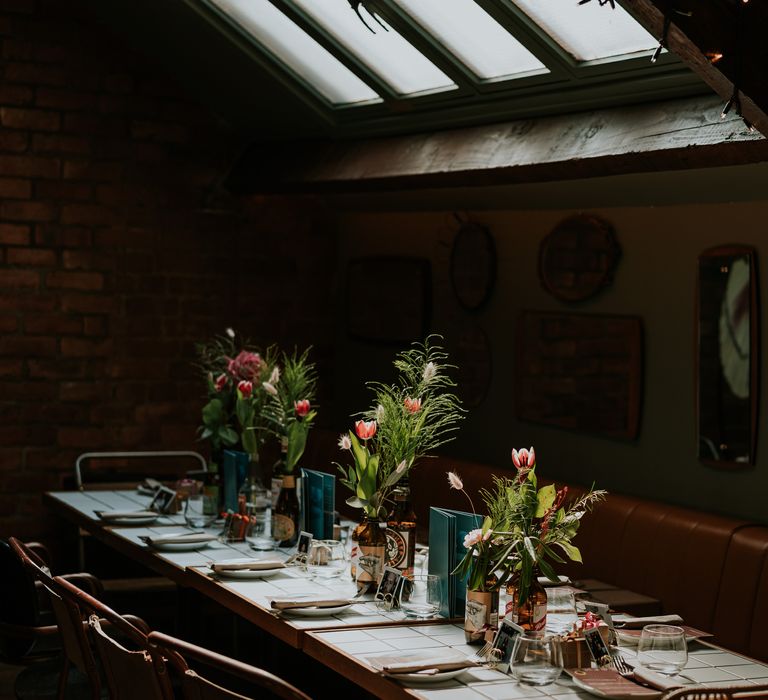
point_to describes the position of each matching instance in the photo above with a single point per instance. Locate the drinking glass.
(326, 559)
(662, 648)
(199, 511)
(258, 534)
(536, 660)
(421, 595)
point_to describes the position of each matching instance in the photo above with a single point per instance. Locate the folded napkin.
(124, 514)
(636, 623)
(178, 538)
(294, 604)
(655, 680)
(608, 683)
(252, 565)
(425, 667)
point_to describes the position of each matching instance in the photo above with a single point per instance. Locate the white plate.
(421, 679)
(249, 573)
(178, 546)
(146, 520)
(317, 612)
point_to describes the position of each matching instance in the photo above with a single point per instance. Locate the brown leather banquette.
(712, 570)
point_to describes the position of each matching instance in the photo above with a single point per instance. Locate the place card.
(388, 593)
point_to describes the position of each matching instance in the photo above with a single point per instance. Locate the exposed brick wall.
(111, 265)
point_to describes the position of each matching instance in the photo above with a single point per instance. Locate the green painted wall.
(655, 280)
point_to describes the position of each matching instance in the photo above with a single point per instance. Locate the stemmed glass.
(662, 648)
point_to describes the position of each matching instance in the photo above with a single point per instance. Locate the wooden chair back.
(195, 687)
(77, 649)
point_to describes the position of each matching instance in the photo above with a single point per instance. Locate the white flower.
(455, 481)
(379, 413)
(344, 442)
(269, 388)
(230, 332)
(430, 370)
(274, 378)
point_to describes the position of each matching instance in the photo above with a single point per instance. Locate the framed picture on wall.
(389, 299)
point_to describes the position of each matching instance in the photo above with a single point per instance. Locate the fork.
(620, 664)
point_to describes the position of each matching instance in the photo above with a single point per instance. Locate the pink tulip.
(412, 405)
(365, 429)
(221, 382)
(245, 388)
(301, 407)
(524, 459)
(247, 365)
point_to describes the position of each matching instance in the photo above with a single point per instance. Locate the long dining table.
(346, 642)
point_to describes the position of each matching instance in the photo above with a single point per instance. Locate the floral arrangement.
(408, 419)
(239, 379)
(289, 409)
(527, 528)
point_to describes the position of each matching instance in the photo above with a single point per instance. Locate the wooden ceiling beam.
(672, 135)
(702, 29)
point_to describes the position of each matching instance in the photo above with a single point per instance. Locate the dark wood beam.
(673, 135)
(702, 29)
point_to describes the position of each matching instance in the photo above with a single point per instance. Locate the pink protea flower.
(301, 407)
(344, 442)
(412, 405)
(365, 430)
(245, 388)
(247, 365)
(474, 537)
(269, 388)
(221, 382)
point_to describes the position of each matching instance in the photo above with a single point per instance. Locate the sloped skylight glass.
(481, 43)
(298, 51)
(589, 31)
(388, 54)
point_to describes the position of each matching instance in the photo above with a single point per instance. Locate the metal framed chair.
(167, 649)
(116, 455)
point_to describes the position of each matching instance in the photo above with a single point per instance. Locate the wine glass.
(326, 559)
(536, 660)
(662, 648)
(421, 595)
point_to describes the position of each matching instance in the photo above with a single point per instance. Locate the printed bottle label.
(398, 542)
(370, 562)
(282, 528)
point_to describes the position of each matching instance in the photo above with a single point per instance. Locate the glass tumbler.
(662, 648)
(199, 510)
(326, 559)
(421, 595)
(536, 660)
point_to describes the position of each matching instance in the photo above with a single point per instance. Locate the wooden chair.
(194, 687)
(75, 645)
(734, 692)
(131, 673)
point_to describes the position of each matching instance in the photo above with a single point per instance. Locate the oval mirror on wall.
(727, 362)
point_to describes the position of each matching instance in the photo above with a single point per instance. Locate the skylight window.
(590, 31)
(298, 51)
(481, 43)
(388, 54)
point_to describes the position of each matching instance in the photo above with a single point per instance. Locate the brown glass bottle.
(285, 521)
(510, 607)
(401, 531)
(532, 612)
(372, 545)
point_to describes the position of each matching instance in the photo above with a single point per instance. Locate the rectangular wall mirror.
(727, 367)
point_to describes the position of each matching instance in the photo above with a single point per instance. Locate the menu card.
(447, 529)
(318, 499)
